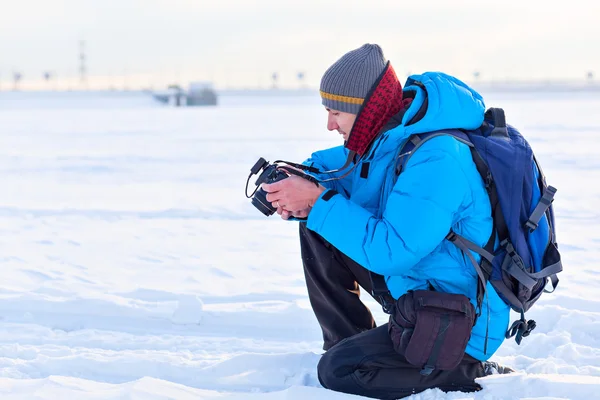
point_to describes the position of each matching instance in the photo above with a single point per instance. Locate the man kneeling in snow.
(370, 222)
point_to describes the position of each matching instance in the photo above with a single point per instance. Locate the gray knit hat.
(347, 82)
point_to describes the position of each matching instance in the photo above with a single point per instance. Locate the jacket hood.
(441, 102)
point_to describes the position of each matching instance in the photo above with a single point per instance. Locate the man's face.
(340, 121)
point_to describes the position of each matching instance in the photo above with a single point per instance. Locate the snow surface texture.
(134, 268)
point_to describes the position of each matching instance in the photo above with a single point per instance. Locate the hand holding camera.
(293, 194)
(284, 189)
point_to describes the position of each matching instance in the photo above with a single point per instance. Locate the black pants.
(360, 358)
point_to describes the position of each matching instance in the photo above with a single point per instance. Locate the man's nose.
(331, 124)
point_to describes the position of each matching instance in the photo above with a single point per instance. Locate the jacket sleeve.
(416, 218)
(330, 159)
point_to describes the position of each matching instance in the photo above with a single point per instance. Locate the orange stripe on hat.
(343, 99)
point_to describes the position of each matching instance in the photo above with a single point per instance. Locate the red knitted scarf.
(383, 102)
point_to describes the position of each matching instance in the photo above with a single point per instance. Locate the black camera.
(270, 174)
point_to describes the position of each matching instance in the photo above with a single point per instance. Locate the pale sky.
(237, 43)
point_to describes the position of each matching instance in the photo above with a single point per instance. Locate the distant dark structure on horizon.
(17, 77)
(274, 78)
(198, 94)
(301, 75)
(82, 64)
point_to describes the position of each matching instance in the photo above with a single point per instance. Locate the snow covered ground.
(133, 267)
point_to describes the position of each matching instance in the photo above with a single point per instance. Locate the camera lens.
(260, 201)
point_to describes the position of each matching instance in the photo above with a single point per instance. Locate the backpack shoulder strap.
(417, 140)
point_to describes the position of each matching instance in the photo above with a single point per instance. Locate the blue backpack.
(521, 256)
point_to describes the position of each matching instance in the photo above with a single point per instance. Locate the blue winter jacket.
(397, 228)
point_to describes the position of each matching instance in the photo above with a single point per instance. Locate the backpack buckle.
(541, 208)
(427, 370)
(451, 236)
(531, 225)
(489, 180)
(521, 328)
(531, 324)
(386, 305)
(512, 253)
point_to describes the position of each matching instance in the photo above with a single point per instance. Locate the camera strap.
(298, 166)
(314, 170)
(293, 171)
